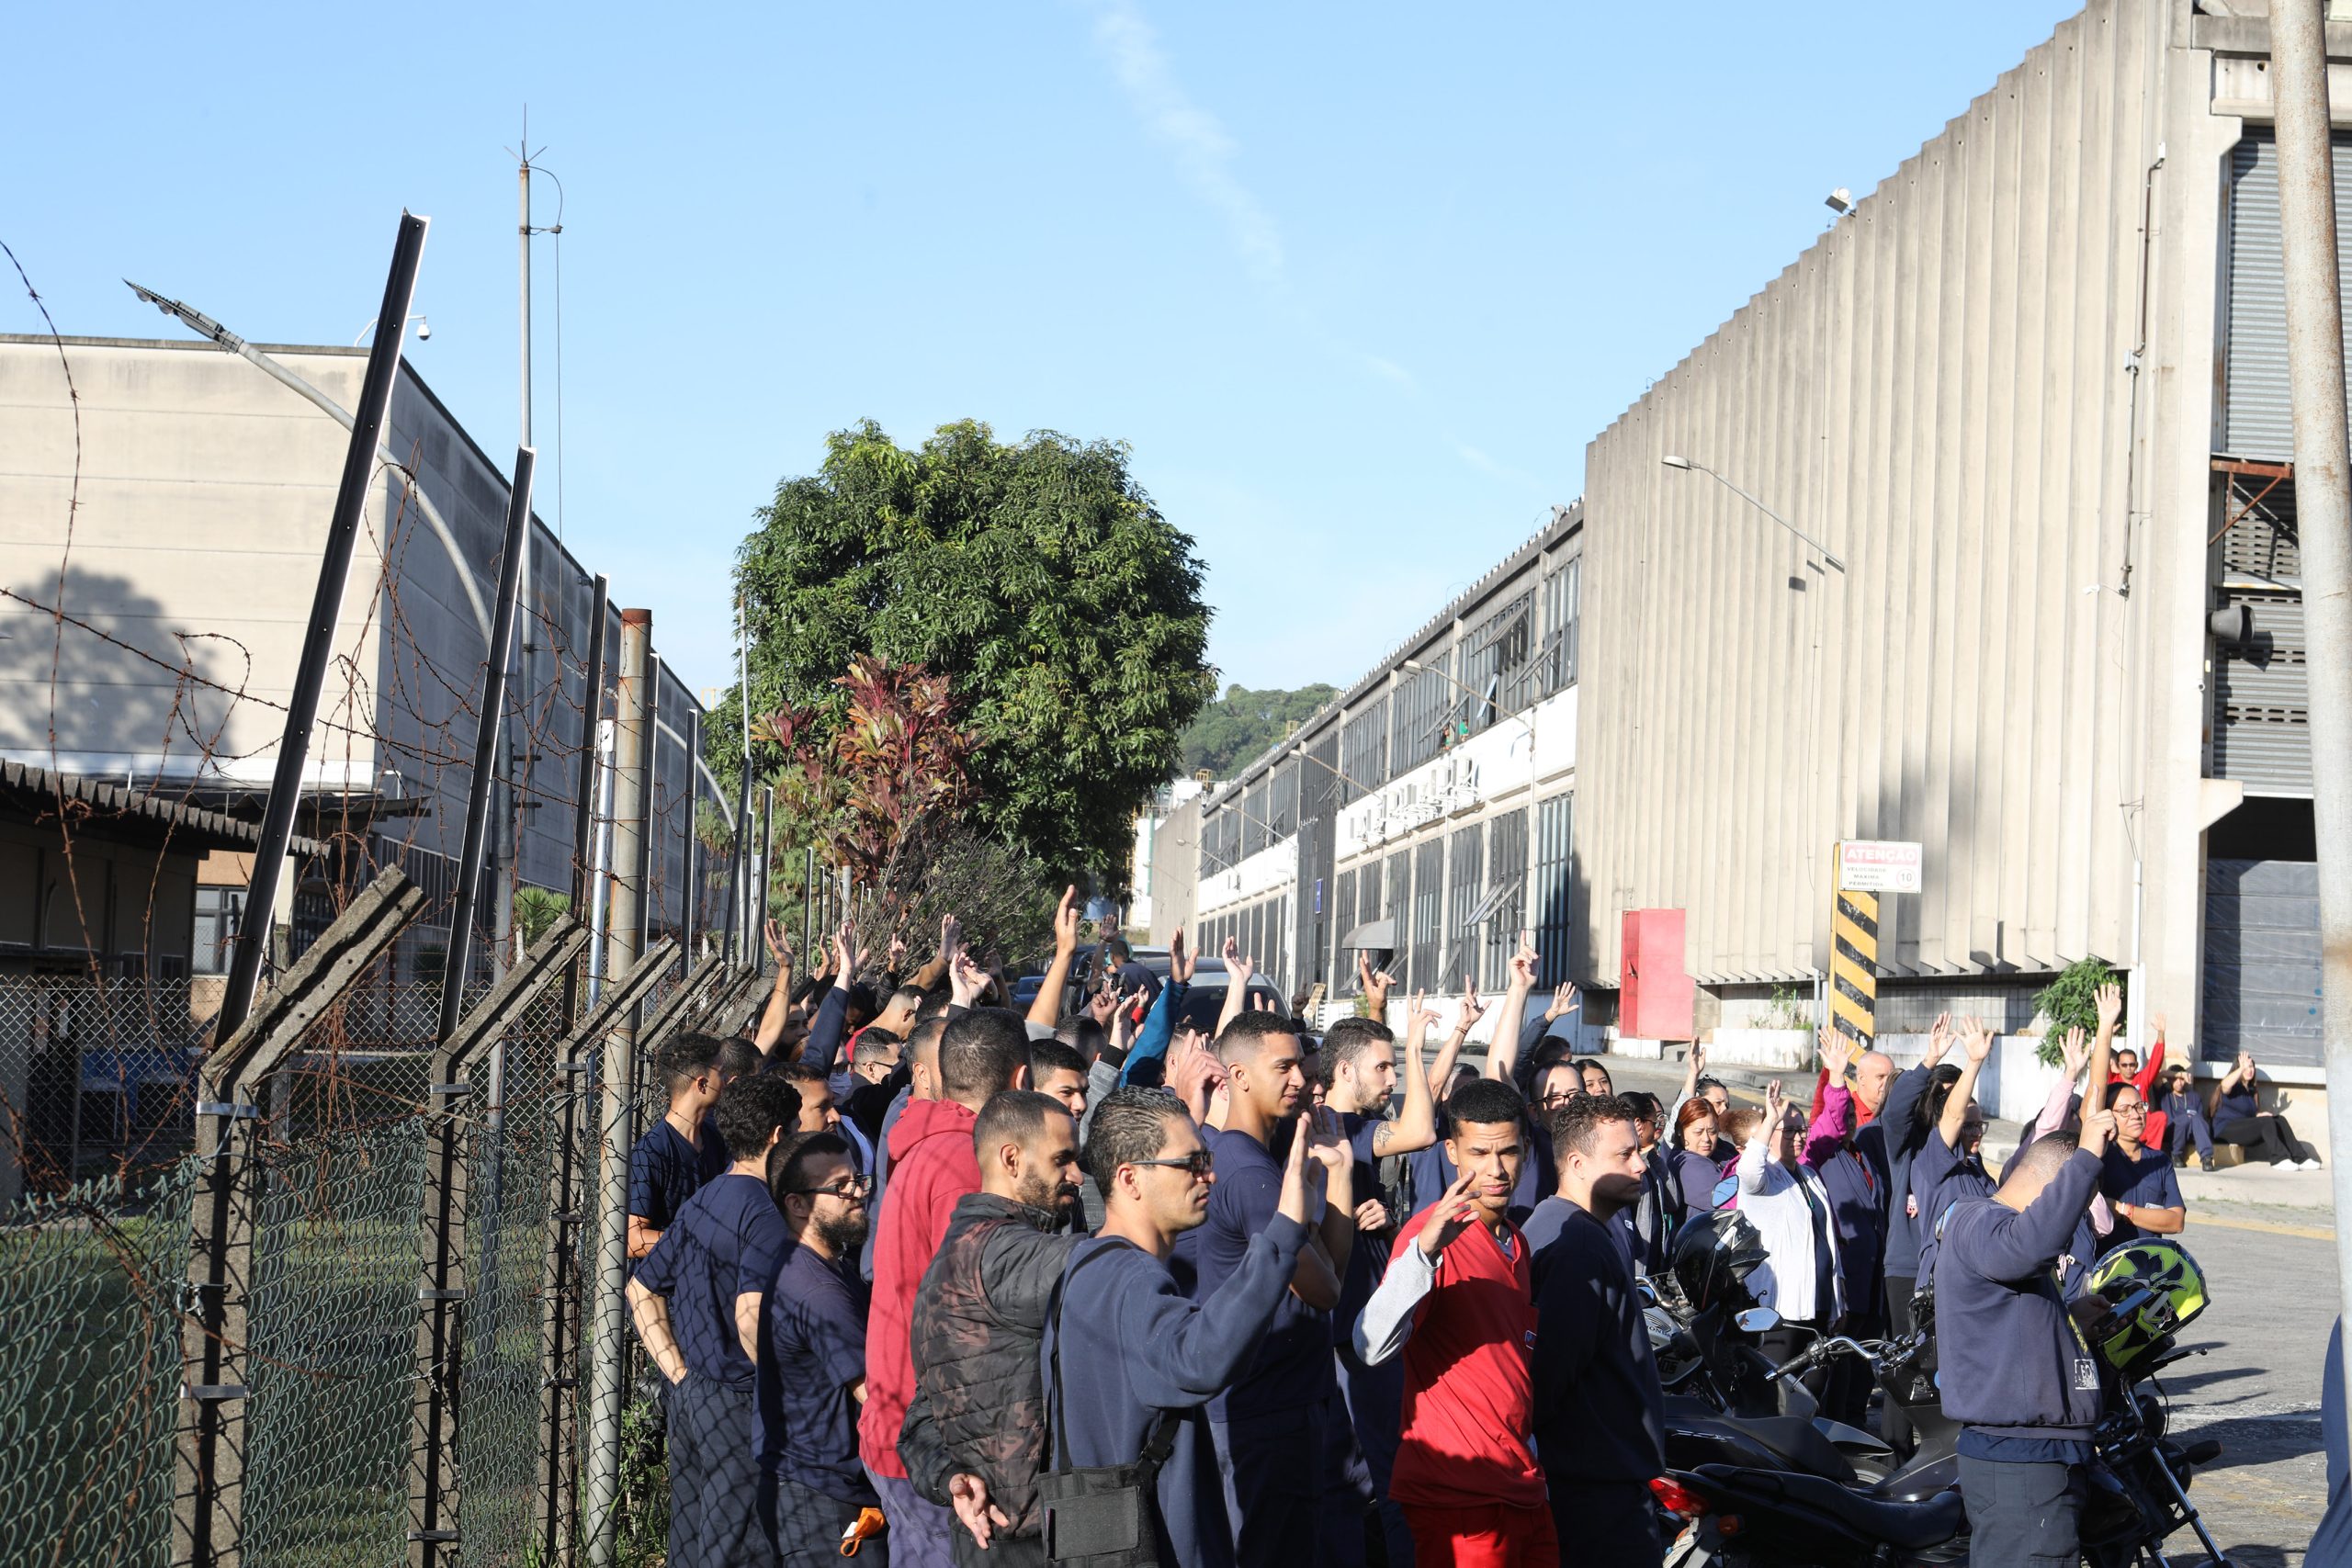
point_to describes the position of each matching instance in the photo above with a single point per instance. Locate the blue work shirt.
(727, 1242)
(2146, 1182)
(1942, 1176)
(664, 1170)
(812, 1354)
(1367, 1257)
(1293, 1368)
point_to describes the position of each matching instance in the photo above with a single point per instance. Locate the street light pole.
(1673, 462)
(2324, 502)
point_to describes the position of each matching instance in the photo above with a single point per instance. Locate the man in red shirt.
(934, 1166)
(1457, 1299)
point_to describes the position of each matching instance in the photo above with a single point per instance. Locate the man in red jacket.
(932, 1167)
(1457, 1299)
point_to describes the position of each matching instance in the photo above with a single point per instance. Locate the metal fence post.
(632, 807)
(559, 1478)
(556, 1498)
(435, 1405)
(207, 1495)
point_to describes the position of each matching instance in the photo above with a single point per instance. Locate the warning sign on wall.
(1879, 865)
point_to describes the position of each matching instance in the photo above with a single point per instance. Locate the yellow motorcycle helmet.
(2153, 1287)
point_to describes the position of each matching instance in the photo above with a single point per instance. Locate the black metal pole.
(480, 787)
(756, 910)
(694, 813)
(318, 643)
(740, 836)
(592, 712)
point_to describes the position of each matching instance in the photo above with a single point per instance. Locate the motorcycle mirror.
(1758, 1320)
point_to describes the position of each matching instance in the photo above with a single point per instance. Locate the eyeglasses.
(1200, 1162)
(2137, 1108)
(855, 1187)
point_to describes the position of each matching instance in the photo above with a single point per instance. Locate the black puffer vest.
(979, 1320)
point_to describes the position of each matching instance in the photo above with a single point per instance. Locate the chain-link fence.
(95, 1293)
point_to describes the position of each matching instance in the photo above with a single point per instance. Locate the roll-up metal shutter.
(2256, 422)
(2261, 699)
(2262, 961)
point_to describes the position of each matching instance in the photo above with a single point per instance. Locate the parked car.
(1203, 998)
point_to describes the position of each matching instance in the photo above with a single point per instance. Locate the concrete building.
(159, 535)
(1164, 870)
(2032, 393)
(1413, 814)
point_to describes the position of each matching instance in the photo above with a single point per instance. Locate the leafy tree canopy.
(1036, 576)
(1236, 727)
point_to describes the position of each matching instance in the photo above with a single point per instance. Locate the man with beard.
(1600, 1421)
(981, 1055)
(812, 1362)
(974, 1437)
(1289, 1507)
(1456, 1301)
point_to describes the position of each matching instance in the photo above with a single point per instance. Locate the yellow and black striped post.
(1853, 965)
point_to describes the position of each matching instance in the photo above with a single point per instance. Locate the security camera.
(424, 329)
(1840, 200)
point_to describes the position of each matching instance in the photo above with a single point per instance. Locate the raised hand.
(1292, 1202)
(1192, 1067)
(1938, 1038)
(1320, 1131)
(1565, 1001)
(1451, 1215)
(1236, 966)
(1522, 964)
(898, 952)
(2099, 1131)
(845, 955)
(1123, 1018)
(1179, 960)
(1975, 1040)
(779, 948)
(966, 979)
(1835, 1056)
(1419, 1015)
(1775, 1101)
(2076, 1051)
(1473, 1010)
(1099, 1006)
(1377, 984)
(2111, 1006)
(1066, 914)
(951, 940)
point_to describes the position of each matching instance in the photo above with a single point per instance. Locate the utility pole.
(2323, 503)
(632, 802)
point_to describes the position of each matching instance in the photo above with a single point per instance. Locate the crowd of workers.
(1342, 1305)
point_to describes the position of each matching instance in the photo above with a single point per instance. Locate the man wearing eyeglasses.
(1127, 1357)
(812, 1358)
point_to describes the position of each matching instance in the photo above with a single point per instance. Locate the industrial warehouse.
(1973, 529)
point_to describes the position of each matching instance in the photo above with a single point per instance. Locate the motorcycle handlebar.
(1875, 1351)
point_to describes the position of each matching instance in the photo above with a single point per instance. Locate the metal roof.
(190, 827)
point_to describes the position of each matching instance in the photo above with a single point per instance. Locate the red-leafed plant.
(885, 785)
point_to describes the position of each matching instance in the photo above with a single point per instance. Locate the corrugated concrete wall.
(1936, 389)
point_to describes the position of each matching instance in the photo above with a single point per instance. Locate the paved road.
(2257, 1389)
(2271, 1268)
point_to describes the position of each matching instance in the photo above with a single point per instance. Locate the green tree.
(1235, 729)
(1036, 576)
(2070, 1001)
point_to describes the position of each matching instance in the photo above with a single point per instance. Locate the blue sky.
(1356, 283)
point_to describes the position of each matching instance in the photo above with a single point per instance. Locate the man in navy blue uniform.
(2018, 1370)
(696, 1301)
(1287, 1507)
(812, 1358)
(683, 1150)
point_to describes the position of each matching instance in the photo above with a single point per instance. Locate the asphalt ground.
(2267, 1244)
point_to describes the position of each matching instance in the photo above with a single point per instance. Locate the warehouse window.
(1496, 664)
(1424, 709)
(1428, 914)
(1554, 821)
(1560, 611)
(1466, 861)
(1364, 751)
(1506, 868)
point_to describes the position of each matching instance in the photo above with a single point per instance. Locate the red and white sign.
(1880, 865)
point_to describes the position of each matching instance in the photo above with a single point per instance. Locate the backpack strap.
(1162, 1442)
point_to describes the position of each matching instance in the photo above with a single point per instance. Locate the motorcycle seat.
(1907, 1527)
(1801, 1443)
